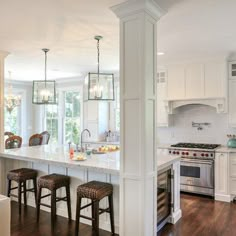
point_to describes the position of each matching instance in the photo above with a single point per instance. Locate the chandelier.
(44, 91)
(100, 85)
(11, 100)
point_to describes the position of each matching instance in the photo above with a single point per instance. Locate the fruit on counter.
(110, 148)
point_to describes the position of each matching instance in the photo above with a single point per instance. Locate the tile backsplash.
(181, 129)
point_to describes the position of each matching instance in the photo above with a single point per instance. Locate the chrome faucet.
(81, 138)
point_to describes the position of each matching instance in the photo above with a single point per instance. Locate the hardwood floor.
(202, 216)
(26, 225)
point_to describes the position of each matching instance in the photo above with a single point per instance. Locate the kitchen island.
(49, 159)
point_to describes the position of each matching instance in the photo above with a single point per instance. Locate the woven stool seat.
(94, 190)
(53, 181)
(21, 174)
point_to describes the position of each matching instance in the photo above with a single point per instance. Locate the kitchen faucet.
(81, 138)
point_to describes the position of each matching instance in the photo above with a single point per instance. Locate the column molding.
(2, 161)
(138, 168)
(3, 54)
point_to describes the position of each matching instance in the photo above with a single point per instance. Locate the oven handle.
(198, 161)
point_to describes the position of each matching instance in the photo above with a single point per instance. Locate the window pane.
(72, 123)
(11, 121)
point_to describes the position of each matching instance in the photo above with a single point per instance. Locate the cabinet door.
(232, 70)
(176, 82)
(221, 173)
(215, 80)
(232, 157)
(194, 76)
(232, 103)
(162, 116)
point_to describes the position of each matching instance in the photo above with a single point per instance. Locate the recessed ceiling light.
(160, 53)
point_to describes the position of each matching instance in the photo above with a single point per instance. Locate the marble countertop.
(164, 161)
(226, 149)
(58, 155)
(102, 142)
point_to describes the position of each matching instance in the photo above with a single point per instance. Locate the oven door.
(197, 172)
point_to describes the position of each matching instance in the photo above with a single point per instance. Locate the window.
(51, 114)
(72, 121)
(12, 121)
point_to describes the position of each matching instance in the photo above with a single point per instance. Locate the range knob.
(194, 154)
(206, 155)
(187, 153)
(202, 154)
(177, 153)
(170, 152)
(183, 153)
(173, 152)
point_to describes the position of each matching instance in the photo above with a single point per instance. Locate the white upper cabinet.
(215, 79)
(232, 70)
(176, 82)
(162, 119)
(232, 106)
(194, 79)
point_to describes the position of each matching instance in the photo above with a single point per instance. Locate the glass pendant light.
(11, 100)
(100, 85)
(44, 91)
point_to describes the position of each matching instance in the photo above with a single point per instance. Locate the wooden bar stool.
(54, 182)
(95, 191)
(21, 176)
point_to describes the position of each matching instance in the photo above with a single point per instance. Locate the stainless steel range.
(197, 166)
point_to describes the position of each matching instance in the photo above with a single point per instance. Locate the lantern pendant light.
(11, 100)
(44, 91)
(100, 85)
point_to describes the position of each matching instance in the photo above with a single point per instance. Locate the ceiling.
(190, 29)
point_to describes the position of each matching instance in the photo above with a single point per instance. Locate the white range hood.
(219, 104)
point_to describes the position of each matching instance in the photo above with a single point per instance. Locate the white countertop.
(164, 161)
(225, 149)
(103, 142)
(58, 155)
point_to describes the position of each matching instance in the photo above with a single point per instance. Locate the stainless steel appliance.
(164, 197)
(197, 166)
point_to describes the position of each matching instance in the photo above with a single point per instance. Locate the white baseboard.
(223, 197)
(175, 216)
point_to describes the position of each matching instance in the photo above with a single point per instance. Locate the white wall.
(182, 130)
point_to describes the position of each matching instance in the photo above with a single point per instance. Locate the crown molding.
(130, 7)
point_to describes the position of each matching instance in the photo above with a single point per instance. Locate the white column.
(137, 85)
(2, 58)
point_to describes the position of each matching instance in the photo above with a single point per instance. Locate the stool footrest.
(47, 195)
(44, 204)
(85, 206)
(61, 199)
(86, 217)
(101, 211)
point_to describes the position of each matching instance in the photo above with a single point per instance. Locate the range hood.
(219, 104)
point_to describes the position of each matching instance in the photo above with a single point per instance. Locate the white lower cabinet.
(232, 172)
(222, 177)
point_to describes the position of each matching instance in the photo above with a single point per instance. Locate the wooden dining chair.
(35, 140)
(46, 137)
(9, 134)
(13, 142)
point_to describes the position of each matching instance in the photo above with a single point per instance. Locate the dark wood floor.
(203, 217)
(26, 224)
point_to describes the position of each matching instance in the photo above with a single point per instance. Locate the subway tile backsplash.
(182, 130)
